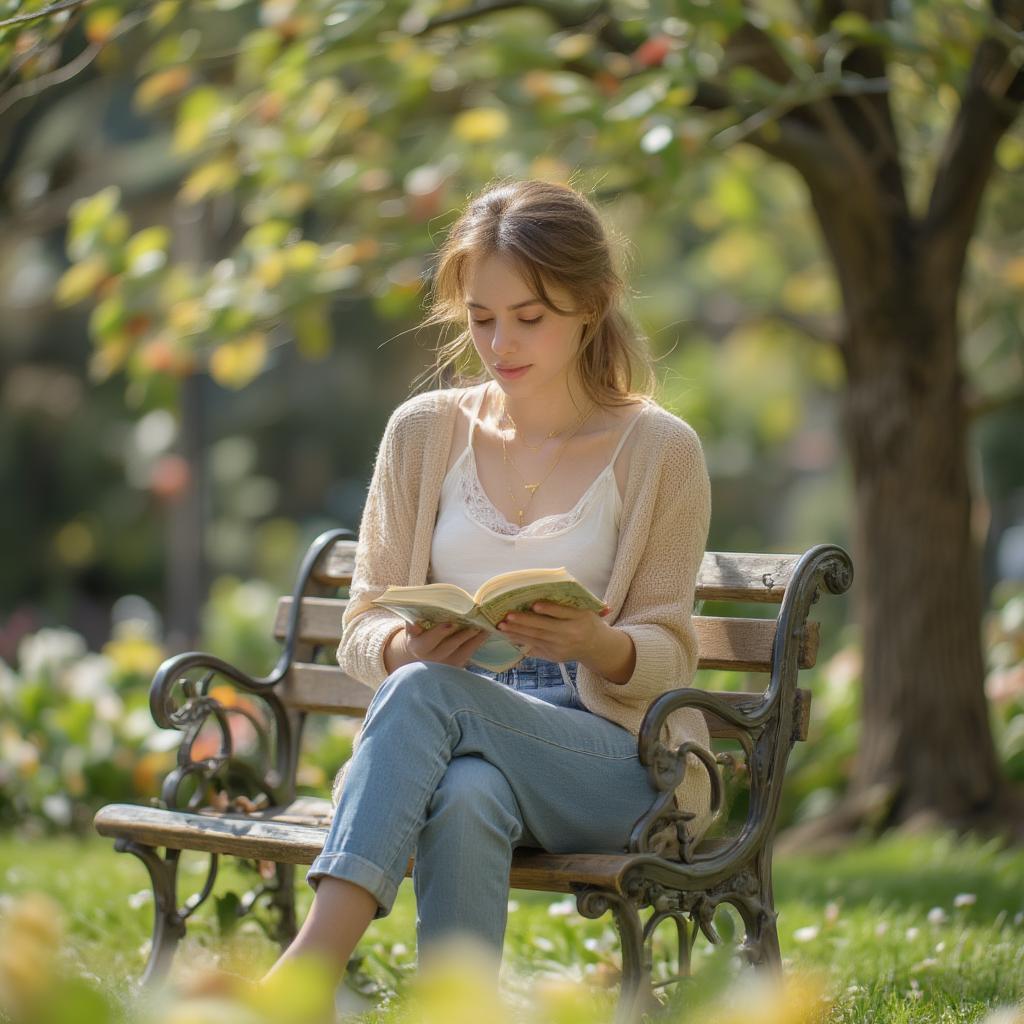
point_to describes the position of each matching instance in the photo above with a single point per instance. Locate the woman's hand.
(554, 632)
(445, 643)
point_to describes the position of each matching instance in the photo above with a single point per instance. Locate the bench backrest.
(726, 642)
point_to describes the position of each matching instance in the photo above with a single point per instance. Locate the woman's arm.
(384, 551)
(657, 611)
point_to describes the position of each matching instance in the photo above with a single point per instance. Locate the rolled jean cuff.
(353, 868)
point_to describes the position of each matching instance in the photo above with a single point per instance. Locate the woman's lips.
(512, 372)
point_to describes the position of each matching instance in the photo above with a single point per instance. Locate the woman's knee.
(421, 682)
(474, 790)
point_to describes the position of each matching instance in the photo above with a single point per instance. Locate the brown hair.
(553, 235)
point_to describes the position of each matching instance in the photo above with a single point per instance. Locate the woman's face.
(526, 347)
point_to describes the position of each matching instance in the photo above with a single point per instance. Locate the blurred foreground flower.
(32, 989)
(763, 999)
(301, 992)
(458, 984)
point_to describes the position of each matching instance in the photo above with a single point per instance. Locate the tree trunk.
(926, 738)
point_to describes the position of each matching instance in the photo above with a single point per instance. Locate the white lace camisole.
(473, 541)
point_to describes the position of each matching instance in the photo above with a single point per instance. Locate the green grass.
(863, 919)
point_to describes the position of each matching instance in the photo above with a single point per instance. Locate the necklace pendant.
(531, 487)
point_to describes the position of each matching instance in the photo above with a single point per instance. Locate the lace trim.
(482, 510)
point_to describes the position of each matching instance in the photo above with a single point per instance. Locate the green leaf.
(87, 219)
(146, 251)
(228, 907)
(312, 330)
(202, 111)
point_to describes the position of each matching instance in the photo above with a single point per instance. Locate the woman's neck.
(536, 416)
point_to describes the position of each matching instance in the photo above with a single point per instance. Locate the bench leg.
(635, 995)
(168, 923)
(283, 902)
(754, 900)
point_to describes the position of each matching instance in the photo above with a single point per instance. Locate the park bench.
(247, 807)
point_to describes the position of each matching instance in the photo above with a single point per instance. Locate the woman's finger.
(453, 646)
(432, 638)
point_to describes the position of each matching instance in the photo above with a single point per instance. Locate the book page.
(429, 615)
(517, 578)
(439, 596)
(570, 593)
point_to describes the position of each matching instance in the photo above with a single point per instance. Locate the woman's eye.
(535, 320)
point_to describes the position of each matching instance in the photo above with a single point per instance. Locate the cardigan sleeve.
(383, 552)
(657, 611)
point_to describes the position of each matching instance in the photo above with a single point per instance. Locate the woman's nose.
(501, 340)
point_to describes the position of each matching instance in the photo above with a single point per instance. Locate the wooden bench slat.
(738, 644)
(723, 576)
(266, 836)
(326, 688)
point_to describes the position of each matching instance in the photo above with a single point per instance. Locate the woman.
(551, 458)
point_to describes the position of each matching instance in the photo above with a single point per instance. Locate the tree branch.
(991, 102)
(44, 12)
(609, 31)
(34, 86)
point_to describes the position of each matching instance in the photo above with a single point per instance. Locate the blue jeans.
(461, 766)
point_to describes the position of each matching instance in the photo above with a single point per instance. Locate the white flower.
(563, 908)
(44, 652)
(140, 898)
(937, 916)
(808, 934)
(912, 933)
(545, 945)
(8, 683)
(89, 677)
(965, 899)
(1003, 1015)
(513, 906)
(138, 724)
(57, 807)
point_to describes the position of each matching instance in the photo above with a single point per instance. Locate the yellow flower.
(481, 124)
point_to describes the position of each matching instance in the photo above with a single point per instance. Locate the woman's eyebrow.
(515, 305)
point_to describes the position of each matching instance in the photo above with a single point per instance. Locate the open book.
(435, 603)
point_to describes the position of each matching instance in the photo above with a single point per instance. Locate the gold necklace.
(532, 488)
(522, 440)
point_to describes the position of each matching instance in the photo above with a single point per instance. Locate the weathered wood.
(742, 645)
(327, 689)
(275, 835)
(723, 576)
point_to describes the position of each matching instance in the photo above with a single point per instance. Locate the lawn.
(908, 929)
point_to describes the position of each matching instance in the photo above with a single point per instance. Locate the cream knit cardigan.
(665, 515)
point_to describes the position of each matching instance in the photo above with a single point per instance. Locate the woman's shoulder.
(425, 410)
(666, 434)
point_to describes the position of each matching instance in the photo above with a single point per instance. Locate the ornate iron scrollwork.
(181, 698)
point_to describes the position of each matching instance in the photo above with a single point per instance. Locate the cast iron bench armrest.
(765, 726)
(181, 697)
(665, 768)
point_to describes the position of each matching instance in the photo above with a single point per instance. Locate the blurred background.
(218, 219)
